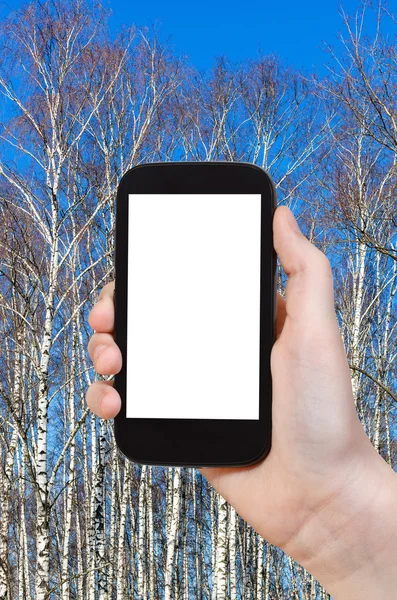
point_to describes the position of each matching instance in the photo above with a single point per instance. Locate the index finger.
(101, 317)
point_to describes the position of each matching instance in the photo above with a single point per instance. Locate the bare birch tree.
(79, 108)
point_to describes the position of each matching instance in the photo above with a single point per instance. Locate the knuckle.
(96, 340)
(324, 261)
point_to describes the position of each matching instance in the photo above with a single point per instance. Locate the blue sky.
(202, 30)
(293, 30)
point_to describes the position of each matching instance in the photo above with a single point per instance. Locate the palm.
(316, 438)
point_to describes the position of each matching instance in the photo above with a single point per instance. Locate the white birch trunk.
(253, 559)
(5, 486)
(232, 553)
(185, 568)
(134, 517)
(378, 417)
(121, 562)
(220, 573)
(267, 571)
(88, 539)
(382, 353)
(69, 469)
(80, 565)
(378, 360)
(90, 528)
(141, 535)
(172, 534)
(385, 352)
(295, 595)
(197, 548)
(356, 323)
(389, 459)
(149, 518)
(279, 591)
(112, 534)
(42, 503)
(259, 568)
(185, 525)
(8, 456)
(241, 553)
(42, 507)
(24, 589)
(213, 542)
(247, 560)
(27, 577)
(99, 515)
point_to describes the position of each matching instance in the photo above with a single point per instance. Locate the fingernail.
(294, 225)
(99, 350)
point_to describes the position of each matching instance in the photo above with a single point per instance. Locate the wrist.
(350, 544)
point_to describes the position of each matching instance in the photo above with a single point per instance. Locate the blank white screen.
(193, 318)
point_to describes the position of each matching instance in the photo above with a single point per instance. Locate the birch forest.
(79, 106)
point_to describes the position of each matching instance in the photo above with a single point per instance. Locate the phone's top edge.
(201, 162)
(196, 162)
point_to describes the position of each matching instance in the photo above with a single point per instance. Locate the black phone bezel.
(197, 442)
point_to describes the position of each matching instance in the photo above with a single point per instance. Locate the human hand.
(322, 470)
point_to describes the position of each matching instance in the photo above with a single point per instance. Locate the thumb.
(309, 290)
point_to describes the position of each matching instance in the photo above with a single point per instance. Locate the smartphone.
(195, 312)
